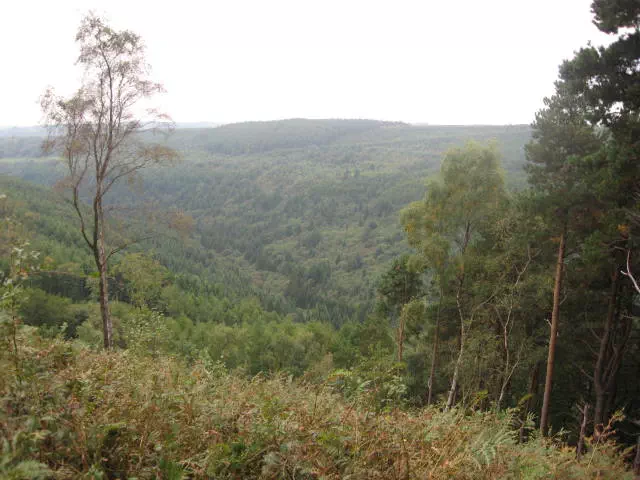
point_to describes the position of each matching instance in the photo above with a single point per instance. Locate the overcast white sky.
(441, 62)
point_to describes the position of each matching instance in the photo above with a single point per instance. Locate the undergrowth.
(73, 413)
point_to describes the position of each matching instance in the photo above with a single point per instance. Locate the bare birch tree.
(97, 132)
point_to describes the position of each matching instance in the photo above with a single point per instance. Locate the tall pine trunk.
(546, 402)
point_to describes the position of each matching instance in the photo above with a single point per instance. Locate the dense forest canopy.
(323, 298)
(307, 209)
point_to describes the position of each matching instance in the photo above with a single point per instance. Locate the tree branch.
(629, 274)
(128, 244)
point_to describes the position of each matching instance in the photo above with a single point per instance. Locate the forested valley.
(339, 298)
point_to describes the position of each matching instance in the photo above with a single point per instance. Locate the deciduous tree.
(444, 225)
(98, 130)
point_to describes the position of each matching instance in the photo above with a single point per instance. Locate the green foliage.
(446, 222)
(612, 15)
(376, 382)
(22, 262)
(51, 313)
(146, 331)
(25, 470)
(400, 283)
(273, 201)
(144, 278)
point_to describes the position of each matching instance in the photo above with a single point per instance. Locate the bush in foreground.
(69, 412)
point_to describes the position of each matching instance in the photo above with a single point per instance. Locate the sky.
(425, 61)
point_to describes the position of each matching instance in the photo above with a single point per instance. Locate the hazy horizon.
(212, 124)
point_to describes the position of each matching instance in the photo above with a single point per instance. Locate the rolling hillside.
(305, 211)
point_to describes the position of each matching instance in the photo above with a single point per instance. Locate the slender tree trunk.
(454, 380)
(612, 347)
(107, 326)
(546, 402)
(101, 264)
(434, 355)
(506, 325)
(401, 335)
(599, 375)
(506, 375)
(503, 390)
(456, 370)
(583, 430)
(14, 337)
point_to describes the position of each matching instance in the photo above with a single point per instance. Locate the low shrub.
(74, 413)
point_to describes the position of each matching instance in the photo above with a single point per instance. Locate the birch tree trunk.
(101, 264)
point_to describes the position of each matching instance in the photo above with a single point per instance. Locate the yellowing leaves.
(410, 228)
(624, 230)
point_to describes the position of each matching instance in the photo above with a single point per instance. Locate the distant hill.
(252, 137)
(33, 131)
(197, 124)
